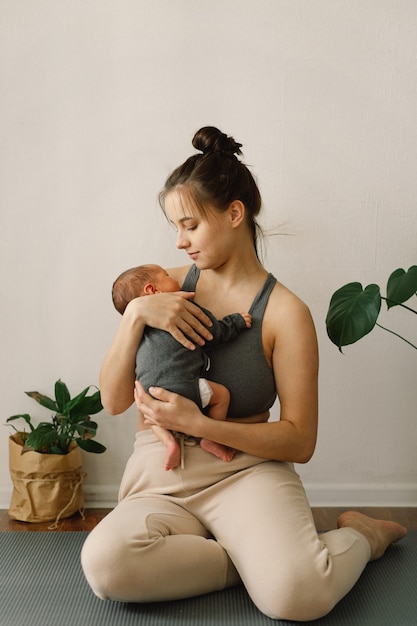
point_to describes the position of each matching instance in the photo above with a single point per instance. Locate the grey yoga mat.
(42, 584)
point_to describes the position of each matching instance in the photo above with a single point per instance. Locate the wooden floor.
(325, 519)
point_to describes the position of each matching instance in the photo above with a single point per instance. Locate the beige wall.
(99, 102)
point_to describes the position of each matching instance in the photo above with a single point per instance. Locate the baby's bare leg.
(217, 409)
(173, 452)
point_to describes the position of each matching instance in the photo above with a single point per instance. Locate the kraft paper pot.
(45, 486)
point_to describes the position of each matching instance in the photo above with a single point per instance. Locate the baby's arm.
(229, 327)
(248, 319)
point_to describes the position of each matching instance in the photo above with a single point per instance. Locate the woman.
(214, 524)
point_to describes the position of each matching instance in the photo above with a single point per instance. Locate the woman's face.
(206, 239)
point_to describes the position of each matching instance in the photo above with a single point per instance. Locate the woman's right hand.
(174, 313)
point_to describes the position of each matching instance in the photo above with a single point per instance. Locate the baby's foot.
(173, 455)
(222, 452)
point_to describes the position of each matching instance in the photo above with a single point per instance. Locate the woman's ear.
(237, 212)
(149, 289)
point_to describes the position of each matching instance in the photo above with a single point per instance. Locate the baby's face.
(165, 283)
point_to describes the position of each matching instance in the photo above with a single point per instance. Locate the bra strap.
(190, 281)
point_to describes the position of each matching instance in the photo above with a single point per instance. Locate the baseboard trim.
(319, 495)
(365, 494)
(95, 496)
(101, 496)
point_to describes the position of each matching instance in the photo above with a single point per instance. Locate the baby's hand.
(248, 319)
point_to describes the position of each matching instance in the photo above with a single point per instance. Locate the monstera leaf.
(401, 286)
(353, 313)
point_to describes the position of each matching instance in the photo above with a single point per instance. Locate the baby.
(163, 362)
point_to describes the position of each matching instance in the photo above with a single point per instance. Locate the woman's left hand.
(167, 409)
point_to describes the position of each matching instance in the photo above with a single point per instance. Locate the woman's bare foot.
(222, 452)
(380, 534)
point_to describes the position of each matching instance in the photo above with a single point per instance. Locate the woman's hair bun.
(210, 139)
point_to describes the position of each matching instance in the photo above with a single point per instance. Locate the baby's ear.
(149, 289)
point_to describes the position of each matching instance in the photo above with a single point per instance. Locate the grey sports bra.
(241, 365)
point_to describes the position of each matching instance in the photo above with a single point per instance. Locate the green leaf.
(401, 286)
(24, 416)
(43, 437)
(43, 400)
(56, 450)
(86, 428)
(87, 406)
(89, 445)
(352, 313)
(62, 395)
(77, 401)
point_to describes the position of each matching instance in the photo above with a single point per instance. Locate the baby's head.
(143, 280)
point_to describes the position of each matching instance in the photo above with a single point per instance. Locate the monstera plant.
(353, 311)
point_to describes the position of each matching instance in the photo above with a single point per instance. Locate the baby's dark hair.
(130, 284)
(215, 176)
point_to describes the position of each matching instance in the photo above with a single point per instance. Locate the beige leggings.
(200, 529)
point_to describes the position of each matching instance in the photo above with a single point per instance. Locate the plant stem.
(399, 304)
(397, 335)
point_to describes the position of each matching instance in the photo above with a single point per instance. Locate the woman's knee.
(104, 564)
(295, 598)
(96, 567)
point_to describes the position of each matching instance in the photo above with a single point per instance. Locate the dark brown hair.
(130, 284)
(217, 177)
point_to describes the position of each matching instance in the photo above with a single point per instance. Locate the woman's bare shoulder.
(179, 273)
(287, 321)
(284, 305)
(280, 291)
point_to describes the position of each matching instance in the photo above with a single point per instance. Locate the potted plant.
(45, 463)
(353, 311)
